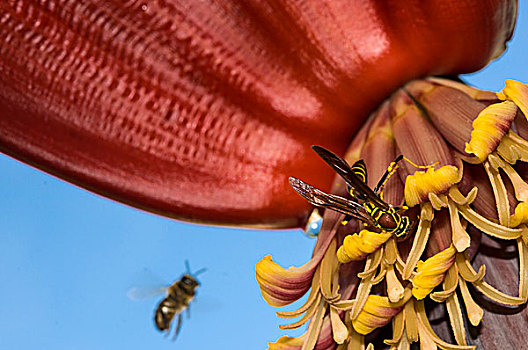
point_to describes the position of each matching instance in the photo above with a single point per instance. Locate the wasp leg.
(178, 327)
(393, 166)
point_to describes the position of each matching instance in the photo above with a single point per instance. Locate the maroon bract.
(200, 110)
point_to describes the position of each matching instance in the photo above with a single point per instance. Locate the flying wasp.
(366, 205)
(178, 296)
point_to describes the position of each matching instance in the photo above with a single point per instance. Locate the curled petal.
(431, 272)
(490, 127)
(419, 185)
(520, 216)
(518, 93)
(358, 246)
(287, 343)
(376, 313)
(280, 286)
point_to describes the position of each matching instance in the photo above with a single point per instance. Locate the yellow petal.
(421, 183)
(520, 216)
(287, 343)
(518, 93)
(431, 272)
(377, 312)
(280, 286)
(358, 246)
(489, 128)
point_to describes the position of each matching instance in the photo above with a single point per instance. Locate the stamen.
(339, 330)
(312, 299)
(427, 334)
(310, 312)
(365, 285)
(500, 193)
(450, 284)
(411, 323)
(328, 269)
(473, 311)
(513, 148)
(461, 239)
(420, 239)
(468, 273)
(455, 316)
(397, 329)
(523, 270)
(315, 327)
(394, 287)
(357, 341)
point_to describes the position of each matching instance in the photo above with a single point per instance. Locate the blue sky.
(68, 257)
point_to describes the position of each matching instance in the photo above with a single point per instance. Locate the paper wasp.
(366, 205)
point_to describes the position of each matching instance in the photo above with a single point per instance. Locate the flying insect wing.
(144, 292)
(321, 199)
(349, 175)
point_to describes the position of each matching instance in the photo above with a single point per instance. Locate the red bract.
(200, 110)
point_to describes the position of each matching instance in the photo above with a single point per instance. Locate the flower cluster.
(473, 146)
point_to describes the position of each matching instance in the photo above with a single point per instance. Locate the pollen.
(421, 183)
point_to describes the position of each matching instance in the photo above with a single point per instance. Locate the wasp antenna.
(187, 267)
(202, 270)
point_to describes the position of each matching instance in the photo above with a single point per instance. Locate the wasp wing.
(321, 199)
(145, 292)
(349, 175)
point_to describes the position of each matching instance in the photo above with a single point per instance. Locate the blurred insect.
(179, 295)
(366, 205)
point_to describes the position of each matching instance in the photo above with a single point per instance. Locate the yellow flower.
(520, 216)
(431, 272)
(376, 313)
(516, 92)
(358, 246)
(419, 185)
(471, 144)
(489, 128)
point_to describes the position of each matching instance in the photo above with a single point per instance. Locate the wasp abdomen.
(387, 221)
